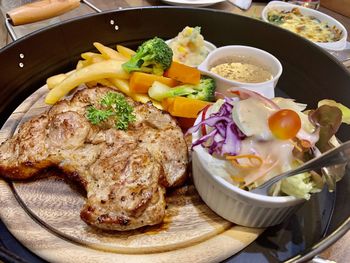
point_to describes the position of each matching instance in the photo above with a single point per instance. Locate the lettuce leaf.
(344, 110)
(327, 119)
(300, 186)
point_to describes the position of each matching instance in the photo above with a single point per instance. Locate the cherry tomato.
(284, 124)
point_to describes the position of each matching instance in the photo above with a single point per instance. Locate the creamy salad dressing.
(277, 157)
(251, 116)
(276, 154)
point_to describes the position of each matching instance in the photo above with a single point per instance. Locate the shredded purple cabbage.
(225, 137)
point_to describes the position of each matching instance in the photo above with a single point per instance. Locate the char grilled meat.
(125, 173)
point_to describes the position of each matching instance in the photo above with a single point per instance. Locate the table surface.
(339, 251)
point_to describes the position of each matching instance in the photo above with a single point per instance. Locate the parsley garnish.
(113, 105)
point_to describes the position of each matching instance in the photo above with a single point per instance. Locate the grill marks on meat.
(124, 173)
(130, 185)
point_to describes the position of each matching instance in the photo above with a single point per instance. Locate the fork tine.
(334, 160)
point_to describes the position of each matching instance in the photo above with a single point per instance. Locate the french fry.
(103, 82)
(80, 64)
(109, 53)
(91, 84)
(97, 58)
(91, 60)
(89, 55)
(92, 57)
(53, 81)
(126, 52)
(157, 104)
(97, 71)
(140, 97)
(123, 86)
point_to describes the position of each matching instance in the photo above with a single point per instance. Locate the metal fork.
(337, 155)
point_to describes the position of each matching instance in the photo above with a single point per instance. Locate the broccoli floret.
(276, 19)
(153, 56)
(205, 90)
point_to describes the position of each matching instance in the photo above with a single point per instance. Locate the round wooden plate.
(44, 215)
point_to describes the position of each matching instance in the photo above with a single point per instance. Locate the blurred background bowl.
(334, 46)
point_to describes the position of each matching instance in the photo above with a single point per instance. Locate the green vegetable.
(276, 19)
(112, 105)
(153, 56)
(300, 186)
(345, 110)
(96, 116)
(328, 119)
(205, 90)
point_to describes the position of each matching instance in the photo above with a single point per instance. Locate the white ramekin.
(232, 203)
(336, 46)
(261, 57)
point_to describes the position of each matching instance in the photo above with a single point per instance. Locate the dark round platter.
(310, 74)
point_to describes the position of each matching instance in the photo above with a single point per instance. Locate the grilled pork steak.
(124, 172)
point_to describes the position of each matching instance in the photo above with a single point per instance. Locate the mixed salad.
(251, 139)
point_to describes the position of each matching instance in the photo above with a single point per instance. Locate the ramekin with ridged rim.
(232, 203)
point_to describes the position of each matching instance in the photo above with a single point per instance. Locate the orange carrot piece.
(168, 103)
(184, 107)
(140, 82)
(183, 73)
(253, 161)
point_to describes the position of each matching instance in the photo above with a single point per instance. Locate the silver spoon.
(337, 155)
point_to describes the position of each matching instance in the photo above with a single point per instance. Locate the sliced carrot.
(168, 103)
(251, 161)
(140, 82)
(185, 123)
(237, 179)
(183, 73)
(184, 107)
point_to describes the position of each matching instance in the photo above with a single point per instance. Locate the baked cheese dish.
(307, 26)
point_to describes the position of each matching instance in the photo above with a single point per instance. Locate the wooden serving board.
(43, 214)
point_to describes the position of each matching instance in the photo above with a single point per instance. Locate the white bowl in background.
(232, 203)
(335, 46)
(258, 56)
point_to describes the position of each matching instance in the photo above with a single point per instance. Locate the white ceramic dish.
(260, 57)
(194, 3)
(336, 46)
(232, 203)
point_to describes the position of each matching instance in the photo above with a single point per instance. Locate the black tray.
(310, 74)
